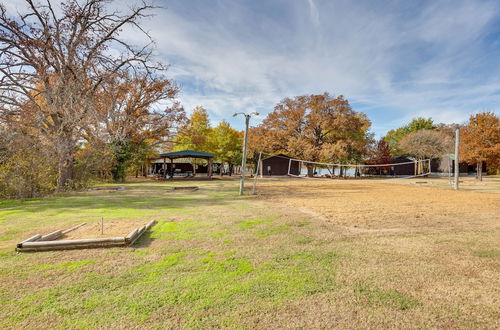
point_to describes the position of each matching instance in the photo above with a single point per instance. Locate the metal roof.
(186, 154)
(278, 156)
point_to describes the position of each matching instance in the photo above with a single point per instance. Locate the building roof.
(278, 156)
(186, 154)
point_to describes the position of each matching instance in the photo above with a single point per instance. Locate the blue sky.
(393, 60)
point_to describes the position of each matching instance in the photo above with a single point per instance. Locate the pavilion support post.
(172, 168)
(164, 166)
(193, 162)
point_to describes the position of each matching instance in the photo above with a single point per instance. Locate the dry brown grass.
(112, 228)
(301, 254)
(437, 246)
(364, 206)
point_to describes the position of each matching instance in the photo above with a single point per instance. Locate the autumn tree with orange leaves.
(316, 128)
(135, 112)
(60, 53)
(480, 141)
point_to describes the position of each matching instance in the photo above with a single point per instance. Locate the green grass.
(487, 253)
(197, 280)
(249, 224)
(213, 260)
(373, 295)
(69, 266)
(188, 261)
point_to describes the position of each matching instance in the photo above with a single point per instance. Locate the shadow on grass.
(144, 241)
(141, 198)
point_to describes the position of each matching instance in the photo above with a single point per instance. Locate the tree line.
(79, 103)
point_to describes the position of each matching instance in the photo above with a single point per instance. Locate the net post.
(254, 189)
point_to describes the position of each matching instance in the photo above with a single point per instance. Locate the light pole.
(457, 156)
(245, 140)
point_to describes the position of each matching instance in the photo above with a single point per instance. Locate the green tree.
(225, 143)
(194, 135)
(395, 135)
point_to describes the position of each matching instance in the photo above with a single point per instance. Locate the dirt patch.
(112, 228)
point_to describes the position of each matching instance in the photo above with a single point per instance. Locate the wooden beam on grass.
(70, 244)
(52, 236)
(88, 241)
(71, 247)
(73, 228)
(138, 232)
(31, 239)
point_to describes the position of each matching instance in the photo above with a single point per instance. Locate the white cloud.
(394, 60)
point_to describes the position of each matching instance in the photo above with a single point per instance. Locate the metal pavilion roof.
(186, 154)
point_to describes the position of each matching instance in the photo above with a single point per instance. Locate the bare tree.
(56, 59)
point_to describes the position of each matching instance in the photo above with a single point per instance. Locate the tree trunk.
(65, 170)
(65, 153)
(310, 170)
(480, 170)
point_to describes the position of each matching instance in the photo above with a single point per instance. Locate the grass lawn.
(300, 254)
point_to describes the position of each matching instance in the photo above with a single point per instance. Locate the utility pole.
(457, 156)
(245, 140)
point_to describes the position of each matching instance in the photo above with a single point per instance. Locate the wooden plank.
(75, 242)
(52, 236)
(150, 224)
(31, 239)
(73, 228)
(129, 237)
(141, 231)
(71, 247)
(137, 235)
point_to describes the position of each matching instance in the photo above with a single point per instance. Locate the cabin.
(278, 165)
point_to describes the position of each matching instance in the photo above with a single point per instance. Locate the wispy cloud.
(313, 10)
(393, 60)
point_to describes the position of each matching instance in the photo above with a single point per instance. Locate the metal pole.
(254, 190)
(244, 158)
(457, 156)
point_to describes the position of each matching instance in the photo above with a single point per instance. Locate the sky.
(393, 60)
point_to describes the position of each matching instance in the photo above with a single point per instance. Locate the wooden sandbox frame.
(49, 242)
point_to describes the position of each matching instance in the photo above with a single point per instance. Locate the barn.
(277, 165)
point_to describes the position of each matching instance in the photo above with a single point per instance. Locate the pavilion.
(187, 154)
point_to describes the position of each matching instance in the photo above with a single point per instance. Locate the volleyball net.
(308, 169)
